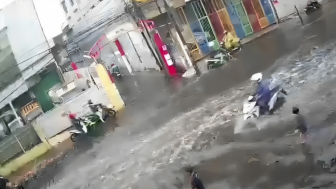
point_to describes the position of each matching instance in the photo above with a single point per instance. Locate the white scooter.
(75, 132)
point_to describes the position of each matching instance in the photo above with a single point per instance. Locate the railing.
(18, 143)
(30, 107)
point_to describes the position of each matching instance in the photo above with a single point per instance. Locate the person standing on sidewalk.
(194, 179)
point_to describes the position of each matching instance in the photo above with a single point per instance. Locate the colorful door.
(223, 16)
(214, 18)
(252, 15)
(260, 13)
(238, 5)
(268, 11)
(205, 24)
(238, 26)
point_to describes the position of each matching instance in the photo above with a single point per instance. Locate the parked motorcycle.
(105, 111)
(219, 59)
(312, 7)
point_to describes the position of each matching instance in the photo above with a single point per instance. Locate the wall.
(51, 16)
(8, 64)
(24, 32)
(77, 105)
(286, 7)
(73, 14)
(24, 159)
(41, 90)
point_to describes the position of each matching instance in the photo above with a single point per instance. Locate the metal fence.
(18, 143)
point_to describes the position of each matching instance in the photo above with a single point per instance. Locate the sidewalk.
(202, 66)
(35, 167)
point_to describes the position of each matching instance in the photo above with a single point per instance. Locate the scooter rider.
(264, 93)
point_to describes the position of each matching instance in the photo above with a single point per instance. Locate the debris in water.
(302, 82)
(252, 159)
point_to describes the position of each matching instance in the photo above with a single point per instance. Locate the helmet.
(256, 77)
(90, 102)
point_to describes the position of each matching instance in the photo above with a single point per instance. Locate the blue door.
(235, 19)
(268, 11)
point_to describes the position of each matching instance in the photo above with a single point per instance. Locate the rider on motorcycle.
(230, 42)
(264, 92)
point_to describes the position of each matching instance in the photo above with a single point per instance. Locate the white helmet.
(256, 77)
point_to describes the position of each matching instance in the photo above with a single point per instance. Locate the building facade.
(203, 22)
(28, 29)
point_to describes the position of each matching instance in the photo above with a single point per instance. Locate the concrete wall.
(24, 159)
(77, 105)
(286, 7)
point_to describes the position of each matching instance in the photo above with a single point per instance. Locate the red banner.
(95, 51)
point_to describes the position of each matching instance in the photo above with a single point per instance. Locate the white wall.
(24, 32)
(24, 29)
(286, 7)
(51, 16)
(73, 12)
(2, 21)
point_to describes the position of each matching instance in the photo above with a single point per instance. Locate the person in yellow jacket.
(230, 42)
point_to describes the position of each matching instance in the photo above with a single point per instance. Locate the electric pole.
(173, 16)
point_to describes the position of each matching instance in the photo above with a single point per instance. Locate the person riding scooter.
(264, 92)
(230, 42)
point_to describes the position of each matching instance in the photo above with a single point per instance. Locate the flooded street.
(167, 127)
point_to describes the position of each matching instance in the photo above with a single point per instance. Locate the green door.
(243, 17)
(42, 88)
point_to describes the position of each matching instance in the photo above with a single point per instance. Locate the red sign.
(75, 68)
(97, 47)
(165, 54)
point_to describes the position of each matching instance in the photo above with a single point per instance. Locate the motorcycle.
(251, 108)
(104, 112)
(219, 59)
(234, 50)
(84, 123)
(115, 71)
(312, 7)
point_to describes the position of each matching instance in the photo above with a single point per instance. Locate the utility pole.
(173, 16)
(45, 37)
(146, 35)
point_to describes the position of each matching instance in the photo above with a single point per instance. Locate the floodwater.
(168, 126)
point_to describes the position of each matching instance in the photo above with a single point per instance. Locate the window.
(64, 8)
(71, 2)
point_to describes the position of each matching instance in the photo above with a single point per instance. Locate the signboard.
(120, 30)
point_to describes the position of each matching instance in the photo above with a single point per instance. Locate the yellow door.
(260, 13)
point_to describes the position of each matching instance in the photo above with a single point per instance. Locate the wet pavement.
(170, 125)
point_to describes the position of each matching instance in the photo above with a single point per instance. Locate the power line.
(22, 84)
(17, 65)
